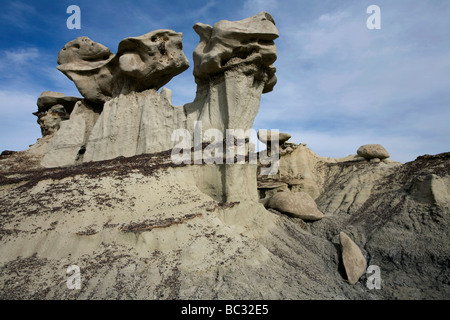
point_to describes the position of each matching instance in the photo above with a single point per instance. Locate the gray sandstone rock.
(48, 99)
(268, 189)
(354, 262)
(87, 64)
(50, 121)
(233, 67)
(145, 62)
(65, 146)
(149, 61)
(298, 204)
(232, 43)
(135, 123)
(371, 151)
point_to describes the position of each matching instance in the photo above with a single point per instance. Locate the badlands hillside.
(101, 190)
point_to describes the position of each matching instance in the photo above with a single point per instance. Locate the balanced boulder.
(273, 140)
(298, 204)
(371, 151)
(48, 99)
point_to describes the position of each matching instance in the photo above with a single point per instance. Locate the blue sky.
(340, 85)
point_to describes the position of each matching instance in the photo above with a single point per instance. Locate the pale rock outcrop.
(266, 137)
(87, 64)
(298, 204)
(68, 145)
(53, 107)
(136, 123)
(50, 120)
(132, 123)
(302, 164)
(432, 189)
(294, 184)
(233, 67)
(138, 119)
(372, 151)
(354, 262)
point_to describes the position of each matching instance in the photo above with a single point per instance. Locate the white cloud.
(334, 18)
(18, 58)
(21, 56)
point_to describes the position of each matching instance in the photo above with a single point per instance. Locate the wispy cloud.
(20, 57)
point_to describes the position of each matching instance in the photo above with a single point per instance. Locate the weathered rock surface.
(87, 64)
(50, 120)
(354, 262)
(229, 44)
(299, 204)
(232, 68)
(268, 189)
(372, 151)
(145, 62)
(266, 137)
(149, 61)
(68, 144)
(136, 123)
(48, 99)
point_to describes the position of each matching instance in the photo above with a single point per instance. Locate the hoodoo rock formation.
(233, 66)
(101, 190)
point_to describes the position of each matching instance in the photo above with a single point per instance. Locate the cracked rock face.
(232, 43)
(151, 60)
